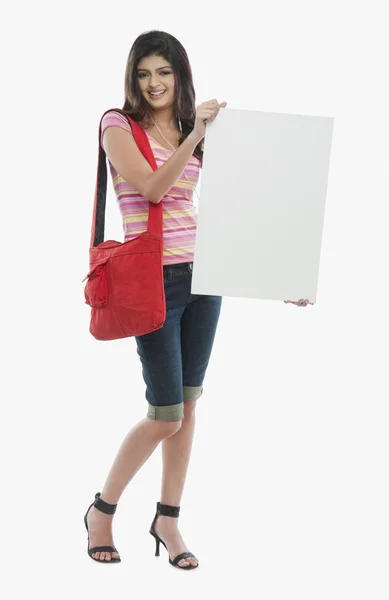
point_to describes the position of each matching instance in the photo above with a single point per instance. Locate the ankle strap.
(167, 510)
(108, 509)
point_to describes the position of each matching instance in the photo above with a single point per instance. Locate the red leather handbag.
(125, 287)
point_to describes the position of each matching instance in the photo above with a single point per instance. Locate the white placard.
(261, 207)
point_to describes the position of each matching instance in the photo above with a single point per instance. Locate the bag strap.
(154, 224)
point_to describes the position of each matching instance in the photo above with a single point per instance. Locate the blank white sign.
(261, 206)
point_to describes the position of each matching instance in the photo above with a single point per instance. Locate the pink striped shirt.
(179, 212)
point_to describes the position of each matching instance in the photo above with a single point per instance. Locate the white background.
(287, 493)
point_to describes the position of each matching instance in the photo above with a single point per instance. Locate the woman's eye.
(141, 75)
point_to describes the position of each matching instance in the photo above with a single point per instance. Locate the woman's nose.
(154, 81)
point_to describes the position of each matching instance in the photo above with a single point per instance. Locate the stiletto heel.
(157, 548)
(108, 509)
(170, 511)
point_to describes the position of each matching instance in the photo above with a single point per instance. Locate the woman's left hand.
(300, 302)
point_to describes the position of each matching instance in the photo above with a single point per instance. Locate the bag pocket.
(96, 288)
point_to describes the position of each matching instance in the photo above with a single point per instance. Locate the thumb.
(223, 105)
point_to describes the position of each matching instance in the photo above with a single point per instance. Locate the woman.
(160, 95)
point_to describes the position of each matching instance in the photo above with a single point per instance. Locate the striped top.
(179, 212)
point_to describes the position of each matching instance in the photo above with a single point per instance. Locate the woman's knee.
(163, 429)
(166, 429)
(189, 408)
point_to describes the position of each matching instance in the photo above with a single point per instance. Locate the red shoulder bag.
(125, 283)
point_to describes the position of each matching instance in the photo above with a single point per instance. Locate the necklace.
(174, 150)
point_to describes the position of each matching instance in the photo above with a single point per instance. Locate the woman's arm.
(129, 162)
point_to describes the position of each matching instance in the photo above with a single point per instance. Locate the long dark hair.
(159, 43)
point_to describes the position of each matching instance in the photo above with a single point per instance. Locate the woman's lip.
(158, 96)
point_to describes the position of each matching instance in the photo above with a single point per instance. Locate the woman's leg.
(136, 448)
(160, 355)
(198, 329)
(176, 452)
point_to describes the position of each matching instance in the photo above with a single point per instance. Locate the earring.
(179, 123)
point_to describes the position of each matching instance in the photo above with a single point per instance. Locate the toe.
(96, 555)
(183, 563)
(102, 556)
(108, 556)
(115, 555)
(193, 562)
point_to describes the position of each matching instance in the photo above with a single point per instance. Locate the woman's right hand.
(205, 113)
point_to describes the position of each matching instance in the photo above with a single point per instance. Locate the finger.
(208, 116)
(213, 115)
(208, 111)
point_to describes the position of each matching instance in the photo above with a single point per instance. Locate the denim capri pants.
(175, 358)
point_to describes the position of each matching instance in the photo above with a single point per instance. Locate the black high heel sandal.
(170, 511)
(108, 509)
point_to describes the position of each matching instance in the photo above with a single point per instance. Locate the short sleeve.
(114, 119)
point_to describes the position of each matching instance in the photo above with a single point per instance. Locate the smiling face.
(155, 74)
